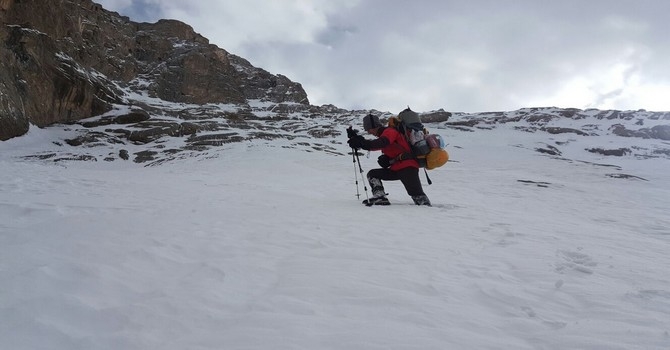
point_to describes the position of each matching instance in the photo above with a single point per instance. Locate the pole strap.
(427, 178)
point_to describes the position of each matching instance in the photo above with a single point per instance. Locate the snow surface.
(259, 245)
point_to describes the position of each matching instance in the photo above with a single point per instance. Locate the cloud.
(465, 56)
(137, 10)
(235, 23)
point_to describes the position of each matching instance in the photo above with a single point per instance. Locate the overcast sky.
(467, 56)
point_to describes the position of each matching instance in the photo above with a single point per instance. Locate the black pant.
(408, 176)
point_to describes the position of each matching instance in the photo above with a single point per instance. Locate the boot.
(377, 187)
(421, 200)
(378, 193)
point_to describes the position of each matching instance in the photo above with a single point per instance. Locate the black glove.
(384, 161)
(351, 132)
(356, 142)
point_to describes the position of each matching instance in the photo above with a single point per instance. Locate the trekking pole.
(354, 152)
(365, 186)
(353, 156)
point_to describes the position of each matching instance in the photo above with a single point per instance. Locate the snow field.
(264, 246)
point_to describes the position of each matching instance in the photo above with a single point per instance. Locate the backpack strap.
(405, 156)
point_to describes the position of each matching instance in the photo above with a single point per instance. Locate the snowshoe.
(376, 201)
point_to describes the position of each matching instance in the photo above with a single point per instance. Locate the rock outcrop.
(66, 60)
(550, 120)
(435, 116)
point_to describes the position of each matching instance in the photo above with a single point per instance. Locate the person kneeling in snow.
(396, 162)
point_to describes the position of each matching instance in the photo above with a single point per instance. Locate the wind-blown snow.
(262, 246)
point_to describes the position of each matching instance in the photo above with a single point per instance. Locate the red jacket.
(392, 144)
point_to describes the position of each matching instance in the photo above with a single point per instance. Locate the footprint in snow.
(575, 261)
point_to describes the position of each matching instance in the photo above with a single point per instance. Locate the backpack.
(427, 149)
(437, 156)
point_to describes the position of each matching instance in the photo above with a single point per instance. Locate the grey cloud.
(468, 56)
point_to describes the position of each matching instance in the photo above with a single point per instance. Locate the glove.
(384, 161)
(351, 132)
(356, 142)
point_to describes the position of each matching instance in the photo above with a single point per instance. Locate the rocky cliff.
(66, 60)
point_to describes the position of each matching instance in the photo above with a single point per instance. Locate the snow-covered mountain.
(177, 130)
(251, 236)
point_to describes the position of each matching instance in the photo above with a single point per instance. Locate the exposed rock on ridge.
(554, 120)
(65, 60)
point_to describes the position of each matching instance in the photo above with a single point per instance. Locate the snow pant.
(408, 176)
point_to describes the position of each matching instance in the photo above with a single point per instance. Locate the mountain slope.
(263, 243)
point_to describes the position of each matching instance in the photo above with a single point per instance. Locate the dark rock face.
(42, 85)
(66, 60)
(557, 130)
(619, 152)
(435, 116)
(661, 132)
(42, 82)
(549, 149)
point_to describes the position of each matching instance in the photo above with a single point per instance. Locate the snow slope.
(262, 245)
